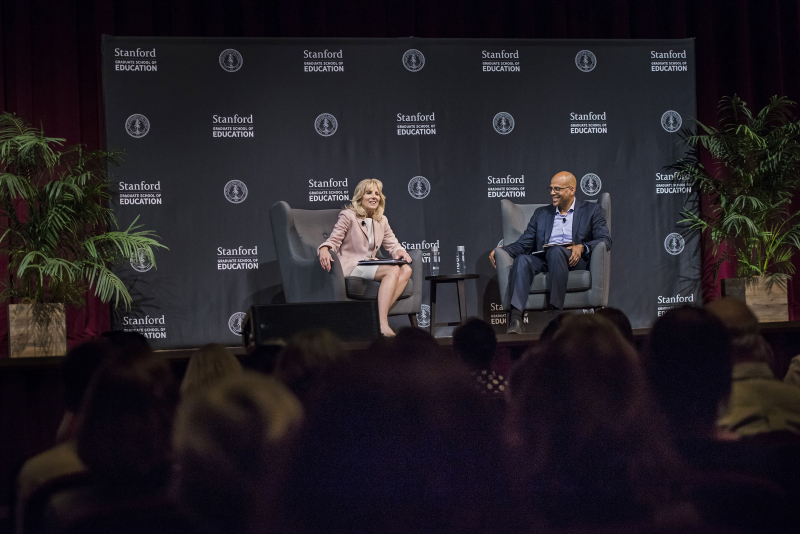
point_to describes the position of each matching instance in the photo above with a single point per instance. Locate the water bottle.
(461, 261)
(434, 260)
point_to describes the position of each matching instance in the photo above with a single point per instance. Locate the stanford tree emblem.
(585, 61)
(674, 243)
(671, 121)
(235, 191)
(413, 60)
(137, 125)
(230, 60)
(419, 187)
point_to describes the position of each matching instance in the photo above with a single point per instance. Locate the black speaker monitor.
(351, 321)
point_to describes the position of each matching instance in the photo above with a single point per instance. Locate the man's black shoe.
(514, 323)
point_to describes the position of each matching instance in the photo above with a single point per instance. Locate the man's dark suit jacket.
(588, 229)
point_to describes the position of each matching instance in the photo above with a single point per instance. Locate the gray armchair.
(298, 233)
(585, 289)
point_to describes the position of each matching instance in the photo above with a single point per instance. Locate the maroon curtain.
(50, 54)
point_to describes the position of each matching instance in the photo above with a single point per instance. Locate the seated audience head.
(232, 442)
(689, 363)
(77, 371)
(553, 326)
(208, 365)
(620, 320)
(590, 448)
(398, 446)
(747, 343)
(307, 359)
(475, 342)
(125, 424)
(415, 342)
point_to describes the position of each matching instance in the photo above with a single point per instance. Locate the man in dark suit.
(573, 227)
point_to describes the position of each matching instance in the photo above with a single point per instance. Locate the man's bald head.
(562, 190)
(566, 178)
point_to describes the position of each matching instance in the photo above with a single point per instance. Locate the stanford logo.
(137, 125)
(413, 60)
(671, 121)
(585, 61)
(424, 316)
(235, 323)
(591, 184)
(235, 191)
(419, 187)
(674, 243)
(230, 60)
(326, 125)
(503, 123)
(140, 262)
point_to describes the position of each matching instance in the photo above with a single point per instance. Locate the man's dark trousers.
(526, 267)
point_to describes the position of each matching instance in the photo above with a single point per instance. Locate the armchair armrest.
(307, 281)
(600, 269)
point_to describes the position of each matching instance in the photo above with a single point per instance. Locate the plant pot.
(769, 305)
(36, 330)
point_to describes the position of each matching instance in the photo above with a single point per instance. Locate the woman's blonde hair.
(208, 365)
(358, 194)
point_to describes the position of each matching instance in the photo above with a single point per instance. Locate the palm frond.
(60, 235)
(750, 185)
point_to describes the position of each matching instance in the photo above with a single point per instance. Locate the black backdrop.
(203, 120)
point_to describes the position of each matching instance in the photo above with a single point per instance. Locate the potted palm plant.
(58, 234)
(755, 172)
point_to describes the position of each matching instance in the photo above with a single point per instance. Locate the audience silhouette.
(693, 434)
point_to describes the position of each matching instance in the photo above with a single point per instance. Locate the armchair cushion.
(576, 281)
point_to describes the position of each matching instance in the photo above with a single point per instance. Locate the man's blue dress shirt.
(562, 226)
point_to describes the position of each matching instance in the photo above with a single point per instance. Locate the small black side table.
(462, 301)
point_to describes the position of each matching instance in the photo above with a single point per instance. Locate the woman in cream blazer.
(361, 230)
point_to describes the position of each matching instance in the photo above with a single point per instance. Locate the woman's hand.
(325, 259)
(403, 255)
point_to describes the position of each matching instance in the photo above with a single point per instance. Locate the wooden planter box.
(36, 330)
(769, 305)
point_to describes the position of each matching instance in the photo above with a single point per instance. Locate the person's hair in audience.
(620, 320)
(553, 326)
(209, 364)
(475, 342)
(590, 447)
(77, 370)
(689, 364)
(125, 425)
(233, 443)
(747, 343)
(398, 445)
(304, 364)
(415, 342)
